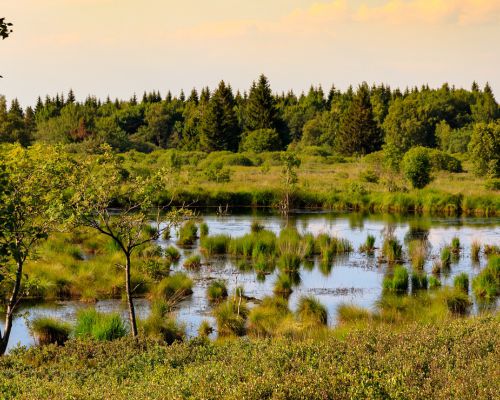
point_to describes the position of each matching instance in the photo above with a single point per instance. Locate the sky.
(121, 47)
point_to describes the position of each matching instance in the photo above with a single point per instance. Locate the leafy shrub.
(442, 161)
(48, 330)
(484, 149)
(261, 140)
(217, 172)
(416, 167)
(99, 326)
(369, 176)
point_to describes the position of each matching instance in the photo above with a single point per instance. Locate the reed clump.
(392, 250)
(418, 253)
(215, 245)
(369, 245)
(350, 313)
(99, 326)
(48, 330)
(461, 282)
(188, 233)
(217, 291)
(192, 262)
(174, 287)
(486, 284)
(398, 282)
(310, 309)
(475, 250)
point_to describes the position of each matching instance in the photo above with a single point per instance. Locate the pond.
(356, 278)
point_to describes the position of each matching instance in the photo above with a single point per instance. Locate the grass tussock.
(99, 326)
(398, 282)
(174, 287)
(309, 309)
(188, 233)
(486, 284)
(192, 262)
(217, 291)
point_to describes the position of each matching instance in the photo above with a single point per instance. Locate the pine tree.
(193, 97)
(219, 125)
(261, 110)
(358, 132)
(71, 97)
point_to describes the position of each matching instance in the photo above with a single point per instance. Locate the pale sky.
(119, 47)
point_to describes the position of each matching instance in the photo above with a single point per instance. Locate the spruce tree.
(219, 125)
(358, 132)
(261, 110)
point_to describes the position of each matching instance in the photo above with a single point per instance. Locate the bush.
(309, 309)
(416, 167)
(492, 184)
(217, 291)
(48, 330)
(442, 161)
(99, 326)
(260, 141)
(217, 172)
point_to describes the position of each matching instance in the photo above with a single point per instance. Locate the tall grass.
(172, 254)
(193, 262)
(392, 249)
(455, 245)
(204, 230)
(217, 291)
(445, 258)
(174, 287)
(231, 317)
(161, 325)
(349, 313)
(461, 282)
(265, 319)
(188, 233)
(419, 281)
(398, 282)
(369, 245)
(486, 284)
(217, 244)
(283, 285)
(99, 326)
(475, 250)
(309, 309)
(418, 253)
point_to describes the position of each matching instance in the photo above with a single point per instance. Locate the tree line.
(355, 121)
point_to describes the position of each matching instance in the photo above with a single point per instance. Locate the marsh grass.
(188, 233)
(161, 324)
(192, 262)
(445, 258)
(486, 284)
(231, 317)
(419, 281)
(350, 313)
(392, 250)
(48, 330)
(265, 319)
(457, 301)
(369, 245)
(174, 287)
(205, 329)
(398, 282)
(434, 282)
(418, 253)
(204, 230)
(99, 326)
(455, 245)
(215, 245)
(172, 254)
(461, 282)
(283, 285)
(475, 250)
(217, 291)
(309, 309)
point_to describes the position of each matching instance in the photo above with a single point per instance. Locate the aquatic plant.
(475, 249)
(172, 253)
(48, 330)
(217, 244)
(217, 291)
(264, 319)
(455, 245)
(434, 282)
(398, 282)
(419, 281)
(174, 287)
(309, 309)
(445, 257)
(486, 284)
(461, 282)
(283, 285)
(369, 245)
(192, 262)
(188, 233)
(288, 262)
(203, 230)
(418, 253)
(231, 317)
(256, 226)
(99, 326)
(163, 327)
(456, 300)
(392, 249)
(205, 329)
(167, 234)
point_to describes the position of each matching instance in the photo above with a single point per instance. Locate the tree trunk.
(11, 305)
(131, 310)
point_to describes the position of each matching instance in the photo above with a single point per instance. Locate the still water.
(355, 279)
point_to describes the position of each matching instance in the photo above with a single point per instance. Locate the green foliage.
(261, 140)
(172, 254)
(48, 330)
(188, 233)
(445, 257)
(484, 149)
(475, 249)
(457, 301)
(203, 230)
(398, 282)
(418, 253)
(419, 281)
(486, 284)
(461, 282)
(99, 326)
(309, 309)
(193, 262)
(416, 167)
(231, 317)
(434, 282)
(217, 172)
(205, 329)
(369, 245)
(349, 313)
(217, 244)
(174, 287)
(217, 291)
(392, 250)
